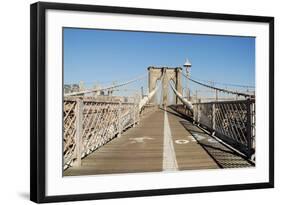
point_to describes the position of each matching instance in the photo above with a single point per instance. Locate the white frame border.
(58, 185)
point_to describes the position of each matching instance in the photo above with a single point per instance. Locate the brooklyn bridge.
(106, 134)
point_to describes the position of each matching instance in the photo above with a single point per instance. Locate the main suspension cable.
(106, 88)
(220, 89)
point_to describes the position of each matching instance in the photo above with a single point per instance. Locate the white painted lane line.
(169, 156)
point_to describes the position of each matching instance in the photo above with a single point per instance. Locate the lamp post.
(187, 65)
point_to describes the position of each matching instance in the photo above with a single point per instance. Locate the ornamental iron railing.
(231, 121)
(89, 124)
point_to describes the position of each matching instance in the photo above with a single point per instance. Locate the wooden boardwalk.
(163, 141)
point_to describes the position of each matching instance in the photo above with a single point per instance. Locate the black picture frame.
(38, 101)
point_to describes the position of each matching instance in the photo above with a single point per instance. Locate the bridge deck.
(163, 141)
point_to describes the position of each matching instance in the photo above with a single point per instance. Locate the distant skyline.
(106, 56)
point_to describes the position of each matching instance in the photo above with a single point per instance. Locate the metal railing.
(231, 121)
(90, 124)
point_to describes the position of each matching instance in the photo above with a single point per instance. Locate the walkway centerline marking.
(169, 156)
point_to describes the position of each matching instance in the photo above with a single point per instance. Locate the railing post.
(199, 114)
(119, 119)
(195, 111)
(217, 95)
(79, 130)
(214, 118)
(249, 127)
(134, 112)
(138, 112)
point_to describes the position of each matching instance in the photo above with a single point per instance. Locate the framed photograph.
(129, 102)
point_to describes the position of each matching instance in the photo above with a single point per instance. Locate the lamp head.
(187, 63)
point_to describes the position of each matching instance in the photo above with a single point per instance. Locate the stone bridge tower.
(168, 74)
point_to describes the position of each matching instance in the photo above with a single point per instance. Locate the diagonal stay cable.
(184, 101)
(147, 98)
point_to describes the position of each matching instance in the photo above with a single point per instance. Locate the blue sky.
(104, 56)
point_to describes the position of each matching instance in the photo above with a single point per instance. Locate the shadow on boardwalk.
(220, 153)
